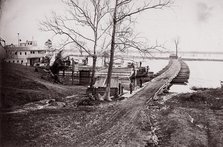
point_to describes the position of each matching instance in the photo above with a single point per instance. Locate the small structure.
(84, 77)
(100, 87)
(141, 75)
(173, 56)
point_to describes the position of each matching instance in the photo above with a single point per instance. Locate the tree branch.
(147, 6)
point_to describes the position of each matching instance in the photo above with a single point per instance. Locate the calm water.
(205, 74)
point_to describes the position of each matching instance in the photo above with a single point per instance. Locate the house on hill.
(26, 53)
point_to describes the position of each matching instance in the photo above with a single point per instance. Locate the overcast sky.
(197, 23)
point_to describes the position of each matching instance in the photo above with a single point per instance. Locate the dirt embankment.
(192, 119)
(25, 93)
(21, 84)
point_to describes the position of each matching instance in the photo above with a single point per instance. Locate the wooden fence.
(70, 77)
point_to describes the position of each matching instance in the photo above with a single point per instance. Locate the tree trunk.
(112, 51)
(93, 71)
(94, 58)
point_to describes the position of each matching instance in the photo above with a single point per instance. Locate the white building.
(26, 53)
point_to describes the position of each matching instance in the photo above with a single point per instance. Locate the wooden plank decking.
(183, 75)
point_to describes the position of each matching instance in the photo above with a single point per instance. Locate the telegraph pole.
(176, 41)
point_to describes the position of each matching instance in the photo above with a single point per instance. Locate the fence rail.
(69, 77)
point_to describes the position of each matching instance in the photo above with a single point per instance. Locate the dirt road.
(127, 123)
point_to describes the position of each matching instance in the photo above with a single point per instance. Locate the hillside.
(21, 84)
(191, 119)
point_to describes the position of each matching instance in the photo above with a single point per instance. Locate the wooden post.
(63, 73)
(119, 88)
(135, 83)
(72, 76)
(72, 71)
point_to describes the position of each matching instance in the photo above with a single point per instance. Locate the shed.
(100, 86)
(84, 77)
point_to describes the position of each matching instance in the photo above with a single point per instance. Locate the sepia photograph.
(111, 73)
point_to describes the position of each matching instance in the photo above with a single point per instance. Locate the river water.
(203, 74)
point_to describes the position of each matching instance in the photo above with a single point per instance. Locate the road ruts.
(123, 124)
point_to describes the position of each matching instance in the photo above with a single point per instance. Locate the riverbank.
(190, 119)
(21, 85)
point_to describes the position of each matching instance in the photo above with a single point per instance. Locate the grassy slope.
(194, 119)
(20, 85)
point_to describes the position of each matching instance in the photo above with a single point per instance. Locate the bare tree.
(84, 22)
(48, 44)
(124, 10)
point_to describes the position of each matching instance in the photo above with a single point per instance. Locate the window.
(17, 61)
(15, 53)
(20, 53)
(22, 61)
(13, 61)
(9, 62)
(25, 53)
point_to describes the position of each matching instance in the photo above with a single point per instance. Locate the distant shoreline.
(160, 58)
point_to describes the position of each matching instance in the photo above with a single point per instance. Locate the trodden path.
(127, 123)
